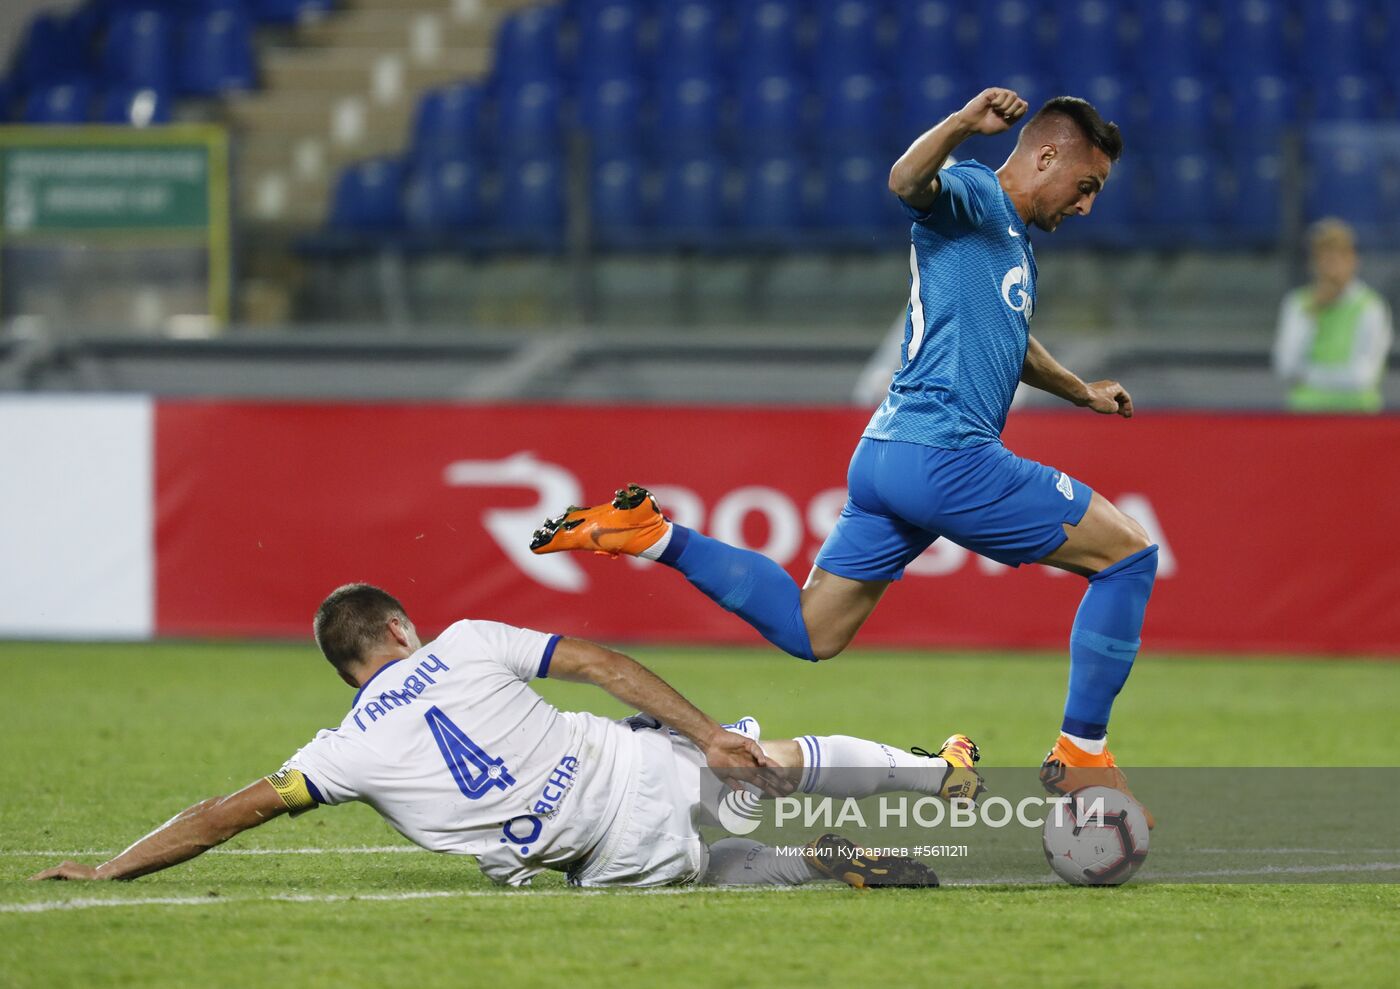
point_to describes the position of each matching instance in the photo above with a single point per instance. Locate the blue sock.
(1104, 642)
(744, 582)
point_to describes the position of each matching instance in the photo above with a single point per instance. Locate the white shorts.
(655, 838)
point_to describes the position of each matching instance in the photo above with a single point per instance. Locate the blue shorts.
(903, 496)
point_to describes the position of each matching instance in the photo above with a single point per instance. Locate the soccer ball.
(1097, 838)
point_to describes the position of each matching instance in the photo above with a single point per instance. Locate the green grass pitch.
(103, 742)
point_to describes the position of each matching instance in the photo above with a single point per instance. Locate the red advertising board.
(1278, 534)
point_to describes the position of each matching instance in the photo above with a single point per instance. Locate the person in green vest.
(1333, 335)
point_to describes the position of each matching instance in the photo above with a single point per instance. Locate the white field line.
(84, 903)
(360, 850)
(48, 906)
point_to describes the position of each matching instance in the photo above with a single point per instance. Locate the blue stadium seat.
(1170, 40)
(1108, 95)
(1007, 43)
(527, 46)
(369, 197)
(135, 106)
(59, 103)
(1087, 41)
(1253, 212)
(773, 211)
(609, 39)
(1334, 33)
(856, 204)
(692, 211)
(1350, 96)
(1345, 176)
(689, 112)
(528, 116)
(1262, 102)
(770, 38)
(216, 53)
(138, 50)
(52, 52)
(1254, 40)
(450, 121)
(617, 200)
(927, 40)
(445, 195)
(771, 111)
(848, 38)
(1186, 195)
(855, 107)
(288, 11)
(611, 111)
(926, 99)
(690, 39)
(531, 212)
(1181, 110)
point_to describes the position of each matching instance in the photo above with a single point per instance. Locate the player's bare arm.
(1040, 370)
(191, 832)
(914, 177)
(635, 685)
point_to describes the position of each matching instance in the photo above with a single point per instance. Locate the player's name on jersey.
(390, 700)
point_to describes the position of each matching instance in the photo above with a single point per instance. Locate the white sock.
(741, 862)
(1093, 746)
(842, 766)
(654, 551)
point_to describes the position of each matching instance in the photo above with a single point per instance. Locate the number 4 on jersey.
(475, 771)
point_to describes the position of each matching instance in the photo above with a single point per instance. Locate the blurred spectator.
(1333, 335)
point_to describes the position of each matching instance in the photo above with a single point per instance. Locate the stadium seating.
(136, 106)
(682, 100)
(59, 103)
(528, 46)
(445, 195)
(450, 123)
(530, 214)
(618, 207)
(138, 50)
(692, 202)
(369, 197)
(216, 53)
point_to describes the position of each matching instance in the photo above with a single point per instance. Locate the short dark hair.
(1102, 134)
(351, 620)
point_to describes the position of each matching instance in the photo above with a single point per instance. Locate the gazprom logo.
(1016, 290)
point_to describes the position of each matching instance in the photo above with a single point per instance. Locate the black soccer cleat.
(839, 858)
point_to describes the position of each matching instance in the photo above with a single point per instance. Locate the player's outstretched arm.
(635, 685)
(914, 177)
(189, 833)
(1042, 371)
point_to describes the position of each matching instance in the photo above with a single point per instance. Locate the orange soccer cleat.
(962, 781)
(629, 524)
(1068, 768)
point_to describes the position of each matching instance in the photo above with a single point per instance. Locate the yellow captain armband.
(292, 787)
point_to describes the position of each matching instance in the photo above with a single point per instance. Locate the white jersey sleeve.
(326, 762)
(523, 651)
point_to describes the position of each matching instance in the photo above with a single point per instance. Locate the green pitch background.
(103, 742)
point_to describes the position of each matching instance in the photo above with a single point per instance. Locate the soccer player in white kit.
(449, 743)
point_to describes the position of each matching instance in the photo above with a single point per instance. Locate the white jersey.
(460, 755)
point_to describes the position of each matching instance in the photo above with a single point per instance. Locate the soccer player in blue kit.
(931, 462)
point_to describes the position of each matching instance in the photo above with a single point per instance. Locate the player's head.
(1063, 156)
(1332, 244)
(357, 622)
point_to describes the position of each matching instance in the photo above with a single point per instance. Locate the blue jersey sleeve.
(965, 194)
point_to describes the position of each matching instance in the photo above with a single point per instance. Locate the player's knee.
(828, 646)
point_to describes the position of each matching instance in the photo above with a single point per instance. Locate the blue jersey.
(972, 292)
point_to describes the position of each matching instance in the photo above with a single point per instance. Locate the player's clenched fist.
(993, 111)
